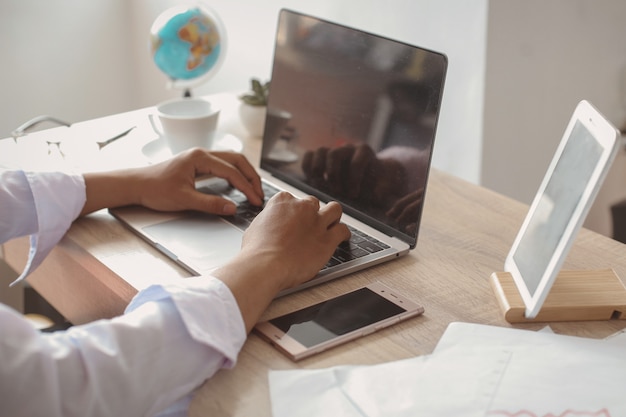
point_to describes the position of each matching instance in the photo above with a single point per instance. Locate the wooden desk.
(465, 235)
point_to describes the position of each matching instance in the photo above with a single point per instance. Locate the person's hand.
(170, 185)
(296, 234)
(285, 245)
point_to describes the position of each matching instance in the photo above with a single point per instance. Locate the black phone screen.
(326, 320)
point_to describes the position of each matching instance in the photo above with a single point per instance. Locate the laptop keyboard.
(360, 244)
(246, 212)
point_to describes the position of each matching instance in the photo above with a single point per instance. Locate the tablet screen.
(557, 205)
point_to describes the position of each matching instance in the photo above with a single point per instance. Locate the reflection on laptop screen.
(352, 118)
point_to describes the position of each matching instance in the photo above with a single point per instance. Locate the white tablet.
(558, 211)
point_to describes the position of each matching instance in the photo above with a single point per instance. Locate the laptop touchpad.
(203, 242)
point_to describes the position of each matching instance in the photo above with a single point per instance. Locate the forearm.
(285, 245)
(253, 284)
(171, 184)
(111, 189)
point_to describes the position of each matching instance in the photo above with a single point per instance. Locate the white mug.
(186, 123)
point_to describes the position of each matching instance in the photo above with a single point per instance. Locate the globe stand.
(187, 93)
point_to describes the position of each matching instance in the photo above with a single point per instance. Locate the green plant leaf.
(258, 94)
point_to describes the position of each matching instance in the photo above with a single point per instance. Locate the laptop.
(351, 117)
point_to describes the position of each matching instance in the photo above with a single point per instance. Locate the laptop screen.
(352, 118)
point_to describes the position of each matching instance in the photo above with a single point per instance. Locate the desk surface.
(465, 234)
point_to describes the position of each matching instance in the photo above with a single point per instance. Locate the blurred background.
(516, 70)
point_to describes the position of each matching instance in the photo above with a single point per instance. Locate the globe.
(188, 44)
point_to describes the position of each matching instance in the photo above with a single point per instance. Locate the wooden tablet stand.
(574, 296)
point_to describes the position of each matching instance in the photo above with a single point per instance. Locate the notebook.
(351, 117)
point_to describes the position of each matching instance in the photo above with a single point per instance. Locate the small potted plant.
(254, 107)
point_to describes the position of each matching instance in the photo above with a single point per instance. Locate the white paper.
(548, 374)
(447, 385)
(618, 338)
(475, 370)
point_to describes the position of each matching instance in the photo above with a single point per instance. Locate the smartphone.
(324, 325)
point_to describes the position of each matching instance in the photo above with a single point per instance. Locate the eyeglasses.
(22, 130)
(54, 144)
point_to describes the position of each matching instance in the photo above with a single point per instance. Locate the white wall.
(81, 59)
(67, 58)
(542, 59)
(78, 60)
(455, 27)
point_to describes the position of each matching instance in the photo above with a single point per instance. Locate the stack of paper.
(475, 370)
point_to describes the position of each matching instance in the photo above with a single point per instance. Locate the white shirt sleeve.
(42, 205)
(134, 365)
(171, 338)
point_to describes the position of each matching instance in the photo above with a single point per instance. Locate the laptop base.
(575, 296)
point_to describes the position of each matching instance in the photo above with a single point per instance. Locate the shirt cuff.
(59, 199)
(208, 310)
